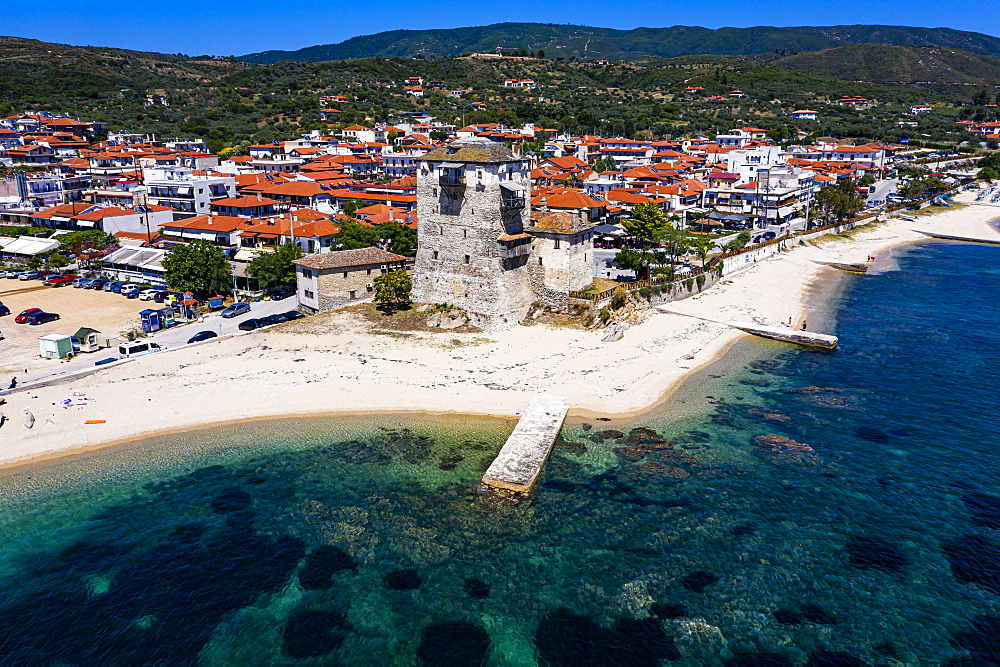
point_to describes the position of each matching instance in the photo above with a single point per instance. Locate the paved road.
(169, 338)
(883, 188)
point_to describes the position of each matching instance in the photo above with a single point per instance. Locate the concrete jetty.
(968, 239)
(788, 335)
(520, 461)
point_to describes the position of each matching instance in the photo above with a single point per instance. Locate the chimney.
(259, 198)
(545, 205)
(392, 214)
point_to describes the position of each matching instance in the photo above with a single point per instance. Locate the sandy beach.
(336, 362)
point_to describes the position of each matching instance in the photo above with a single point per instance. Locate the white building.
(184, 192)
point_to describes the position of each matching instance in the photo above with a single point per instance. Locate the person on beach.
(13, 383)
(803, 325)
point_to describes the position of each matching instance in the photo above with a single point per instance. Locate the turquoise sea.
(864, 529)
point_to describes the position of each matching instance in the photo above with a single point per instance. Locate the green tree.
(402, 239)
(648, 225)
(702, 247)
(867, 179)
(392, 289)
(198, 267)
(274, 269)
(350, 207)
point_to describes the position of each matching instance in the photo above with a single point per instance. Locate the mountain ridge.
(558, 40)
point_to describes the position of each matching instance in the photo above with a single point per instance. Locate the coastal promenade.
(339, 363)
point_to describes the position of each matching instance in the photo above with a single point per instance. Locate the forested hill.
(641, 43)
(937, 69)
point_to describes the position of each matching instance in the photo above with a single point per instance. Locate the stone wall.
(566, 259)
(331, 288)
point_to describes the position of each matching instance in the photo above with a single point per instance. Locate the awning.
(452, 165)
(608, 229)
(513, 187)
(86, 223)
(513, 237)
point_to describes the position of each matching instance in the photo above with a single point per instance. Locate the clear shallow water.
(358, 541)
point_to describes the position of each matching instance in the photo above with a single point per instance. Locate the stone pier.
(520, 461)
(788, 335)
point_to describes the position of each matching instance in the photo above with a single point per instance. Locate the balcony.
(514, 245)
(451, 180)
(511, 202)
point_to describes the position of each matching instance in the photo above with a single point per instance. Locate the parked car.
(11, 273)
(158, 297)
(251, 324)
(23, 317)
(30, 275)
(110, 286)
(4, 310)
(277, 318)
(282, 293)
(293, 315)
(236, 309)
(202, 335)
(58, 281)
(96, 283)
(41, 318)
(147, 294)
(769, 236)
(131, 291)
(137, 348)
(80, 282)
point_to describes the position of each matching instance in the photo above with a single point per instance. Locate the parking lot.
(107, 312)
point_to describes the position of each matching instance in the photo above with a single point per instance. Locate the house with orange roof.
(114, 219)
(245, 207)
(221, 230)
(571, 200)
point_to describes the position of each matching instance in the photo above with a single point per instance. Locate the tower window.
(465, 233)
(434, 254)
(557, 244)
(467, 259)
(539, 261)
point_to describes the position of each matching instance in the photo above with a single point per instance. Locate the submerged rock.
(321, 564)
(871, 553)
(697, 640)
(872, 434)
(985, 509)
(450, 461)
(231, 500)
(609, 434)
(477, 589)
(698, 580)
(834, 659)
(313, 633)
(565, 638)
(644, 436)
(975, 560)
(781, 443)
(982, 641)
(456, 644)
(402, 580)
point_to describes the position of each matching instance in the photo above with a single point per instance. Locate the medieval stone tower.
(473, 202)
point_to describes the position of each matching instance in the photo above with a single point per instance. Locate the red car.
(58, 281)
(23, 317)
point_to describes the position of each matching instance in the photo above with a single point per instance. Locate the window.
(352, 293)
(467, 259)
(308, 294)
(370, 287)
(539, 261)
(369, 271)
(345, 274)
(434, 255)
(557, 244)
(465, 233)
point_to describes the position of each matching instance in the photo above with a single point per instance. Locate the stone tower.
(473, 201)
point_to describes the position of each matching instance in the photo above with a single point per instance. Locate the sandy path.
(333, 364)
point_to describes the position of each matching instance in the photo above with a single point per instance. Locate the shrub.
(645, 291)
(689, 283)
(604, 314)
(700, 279)
(619, 297)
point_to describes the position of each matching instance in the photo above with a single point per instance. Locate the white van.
(137, 348)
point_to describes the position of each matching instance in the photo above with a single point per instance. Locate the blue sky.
(235, 28)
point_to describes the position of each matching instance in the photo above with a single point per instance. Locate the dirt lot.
(107, 312)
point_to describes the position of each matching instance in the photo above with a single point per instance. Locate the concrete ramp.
(520, 461)
(967, 239)
(807, 338)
